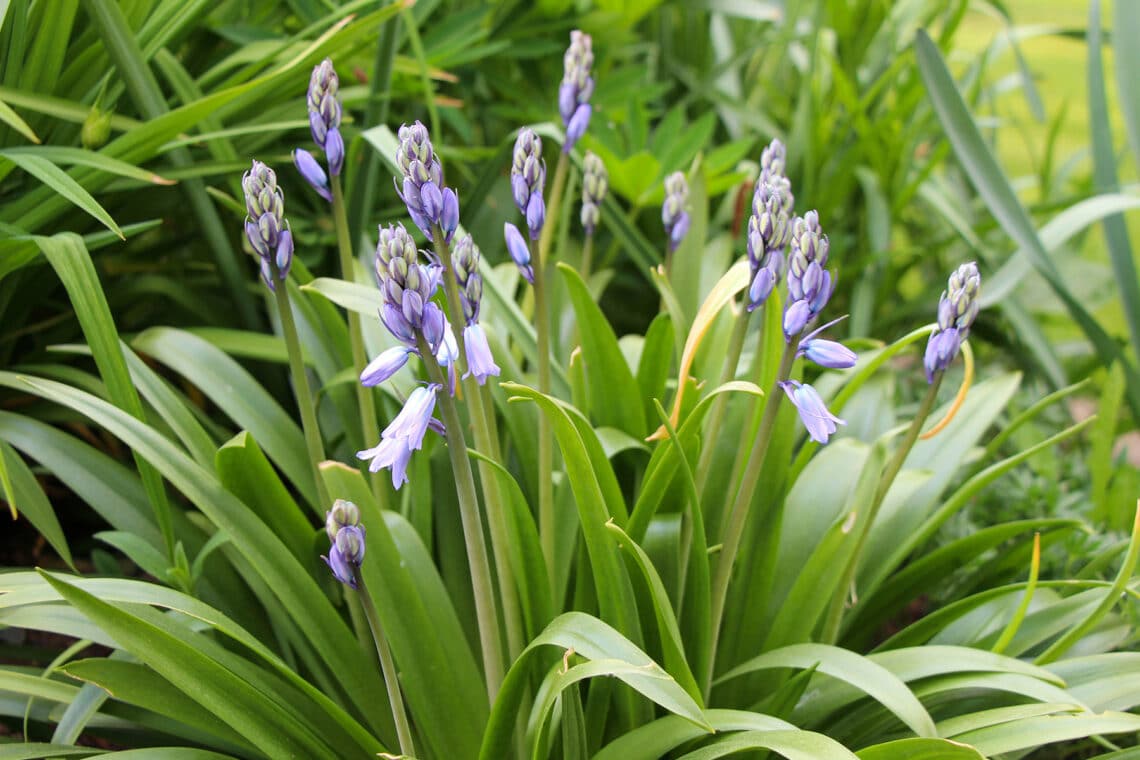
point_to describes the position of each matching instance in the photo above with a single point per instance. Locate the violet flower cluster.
(674, 211)
(346, 536)
(325, 112)
(957, 309)
(430, 203)
(769, 226)
(595, 184)
(576, 89)
(528, 178)
(265, 225)
(465, 258)
(407, 287)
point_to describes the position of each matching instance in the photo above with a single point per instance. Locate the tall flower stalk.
(347, 539)
(325, 111)
(809, 286)
(528, 180)
(957, 309)
(268, 233)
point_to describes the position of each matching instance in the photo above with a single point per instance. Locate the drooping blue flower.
(404, 434)
(480, 362)
(325, 113)
(265, 225)
(312, 173)
(528, 177)
(385, 365)
(595, 184)
(957, 309)
(820, 422)
(519, 251)
(576, 89)
(674, 211)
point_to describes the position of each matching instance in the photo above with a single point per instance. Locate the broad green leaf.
(228, 697)
(239, 395)
(655, 740)
(137, 684)
(62, 183)
(63, 155)
(981, 718)
(864, 674)
(671, 644)
(1031, 733)
(593, 639)
(73, 266)
(615, 594)
(13, 120)
(920, 749)
(25, 496)
(38, 750)
(619, 405)
(794, 745)
(289, 581)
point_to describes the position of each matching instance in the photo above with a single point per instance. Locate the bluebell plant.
(675, 211)
(346, 539)
(429, 201)
(595, 185)
(957, 309)
(528, 178)
(265, 225)
(325, 112)
(576, 89)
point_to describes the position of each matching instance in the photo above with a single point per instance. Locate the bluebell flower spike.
(347, 539)
(325, 111)
(528, 178)
(577, 88)
(265, 225)
(674, 211)
(595, 184)
(957, 309)
(810, 285)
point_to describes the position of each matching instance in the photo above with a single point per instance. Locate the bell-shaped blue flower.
(820, 422)
(480, 362)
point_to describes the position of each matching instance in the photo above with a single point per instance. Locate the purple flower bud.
(432, 201)
(449, 216)
(535, 215)
(595, 184)
(941, 350)
(265, 225)
(434, 324)
(385, 365)
(762, 286)
(796, 317)
(827, 353)
(577, 126)
(674, 215)
(323, 100)
(284, 254)
(519, 251)
(347, 551)
(393, 319)
(312, 173)
(820, 422)
(341, 568)
(334, 151)
(957, 309)
(480, 362)
(343, 513)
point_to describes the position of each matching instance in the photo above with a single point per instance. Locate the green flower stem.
(545, 435)
(553, 207)
(369, 427)
(477, 561)
(838, 601)
(388, 667)
(486, 441)
(733, 531)
(301, 388)
(716, 414)
(587, 257)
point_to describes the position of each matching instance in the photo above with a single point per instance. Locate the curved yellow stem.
(967, 381)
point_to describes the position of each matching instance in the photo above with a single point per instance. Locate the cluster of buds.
(769, 226)
(957, 309)
(346, 536)
(265, 225)
(809, 282)
(429, 202)
(528, 176)
(465, 259)
(595, 184)
(674, 211)
(325, 110)
(577, 87)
